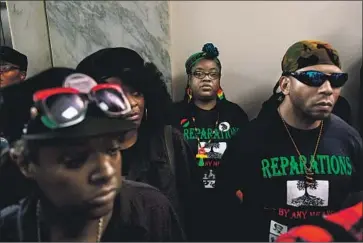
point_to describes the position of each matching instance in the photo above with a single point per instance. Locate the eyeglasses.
(201, 75)
(316, 78)
(64, 107)
(7, 68)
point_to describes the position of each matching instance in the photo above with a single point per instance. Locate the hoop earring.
(145, 115)
(189, 94)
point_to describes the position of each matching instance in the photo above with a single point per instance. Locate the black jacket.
(142, 214)
(242, 171)
(165, 163)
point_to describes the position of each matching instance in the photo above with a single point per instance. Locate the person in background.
(13, 66)
(70, 151)
(208, 122)
(301, 162)
(13, 70)
(153, 152)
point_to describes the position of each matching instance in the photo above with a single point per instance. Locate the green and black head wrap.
(209, 51)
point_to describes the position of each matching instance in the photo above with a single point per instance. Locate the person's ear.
(22, 75)
(285, 85)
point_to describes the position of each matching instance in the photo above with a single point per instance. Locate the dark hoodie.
(215, 138)
(262, 176)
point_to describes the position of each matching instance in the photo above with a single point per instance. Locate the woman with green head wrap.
(194, 67)
(208, 122)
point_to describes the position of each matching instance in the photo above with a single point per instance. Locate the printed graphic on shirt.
(209, 154)
(276, 229)
(210, 148)
(295, 165)
(224, 126)
(299, 213)
(184, 123)
(209, 179)
(300, 193)
(214, 150)
(207, 133)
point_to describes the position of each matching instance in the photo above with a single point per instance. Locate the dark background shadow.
(352, 91)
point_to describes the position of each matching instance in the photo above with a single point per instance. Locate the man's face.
(205, 80)
(315, 102)
(83, 176)
(10, 74)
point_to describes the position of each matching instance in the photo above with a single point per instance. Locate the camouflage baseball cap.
(309, 53)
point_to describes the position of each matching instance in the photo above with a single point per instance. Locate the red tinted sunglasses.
(64, 107)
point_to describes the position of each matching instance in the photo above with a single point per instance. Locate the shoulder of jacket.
(142, 192)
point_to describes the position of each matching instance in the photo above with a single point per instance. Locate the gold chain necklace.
(99, 230)
(309, 173)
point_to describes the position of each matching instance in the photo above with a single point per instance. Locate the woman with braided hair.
(208, 121)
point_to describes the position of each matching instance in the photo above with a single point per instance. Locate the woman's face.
(205, 80)
(135, 98)
(80, 175)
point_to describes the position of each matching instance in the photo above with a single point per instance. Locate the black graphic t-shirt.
(264, 169)
(208, 133)
(214, 129)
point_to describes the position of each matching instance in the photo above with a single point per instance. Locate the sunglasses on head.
(64, 107)
(316, 78)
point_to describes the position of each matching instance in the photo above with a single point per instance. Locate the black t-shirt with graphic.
(264, 165)
(214, 128)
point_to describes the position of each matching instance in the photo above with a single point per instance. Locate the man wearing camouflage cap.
(301, 162)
